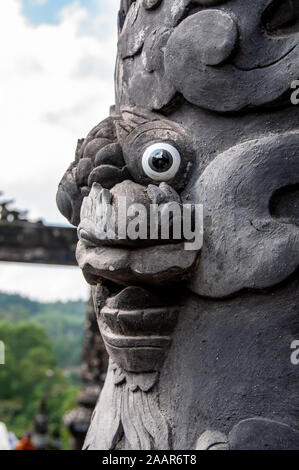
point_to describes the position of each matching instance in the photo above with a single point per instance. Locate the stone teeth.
(96, 209)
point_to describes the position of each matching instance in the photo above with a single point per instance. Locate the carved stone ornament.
(199, 339)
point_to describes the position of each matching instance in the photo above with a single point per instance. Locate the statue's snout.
(131, 214)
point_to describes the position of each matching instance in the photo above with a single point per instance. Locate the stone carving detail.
(259, 168)
(251, 434)
(185, 47)
(212, 80)
(133, 419)
(110, 155)
(255, 79)
(136, 328)
(94, 367)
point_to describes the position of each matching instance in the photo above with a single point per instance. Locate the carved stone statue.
(199, 340)
(94, 367)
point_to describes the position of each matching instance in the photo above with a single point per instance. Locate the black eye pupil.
(160, 160)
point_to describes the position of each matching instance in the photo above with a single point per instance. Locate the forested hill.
(63, 323)
(15, 307)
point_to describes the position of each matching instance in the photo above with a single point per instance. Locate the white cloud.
(44, 283)
(39, 2)
(56, 84)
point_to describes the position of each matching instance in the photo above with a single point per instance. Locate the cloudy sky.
(56, 71)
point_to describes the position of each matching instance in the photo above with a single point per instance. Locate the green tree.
(30, 373)
(63, 322)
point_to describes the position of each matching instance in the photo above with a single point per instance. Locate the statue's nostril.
(108, 176)
(217, 36)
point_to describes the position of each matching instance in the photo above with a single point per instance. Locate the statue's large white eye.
(161, 162)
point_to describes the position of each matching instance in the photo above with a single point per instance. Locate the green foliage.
(40, 340)
(63, 322)
(16, 307)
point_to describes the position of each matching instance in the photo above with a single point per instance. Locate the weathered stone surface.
(245, 247)
(259, 73)
(212, 440)
(94, 368)
(212, 79)
(251, 434)
(153, 265)
(263, 434)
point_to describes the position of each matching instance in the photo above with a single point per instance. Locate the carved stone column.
(94, 367)
(199, 341)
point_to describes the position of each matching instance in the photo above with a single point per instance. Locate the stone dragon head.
(178, 58)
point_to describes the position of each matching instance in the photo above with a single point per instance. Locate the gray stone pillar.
(199, 340)
(94, 367)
